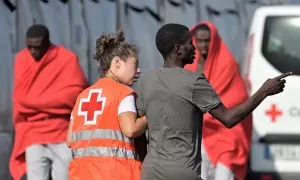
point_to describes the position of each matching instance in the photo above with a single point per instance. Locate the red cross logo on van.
(92, 106)
(273, 113)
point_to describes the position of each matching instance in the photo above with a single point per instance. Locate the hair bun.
(120, 37)
(107, 42)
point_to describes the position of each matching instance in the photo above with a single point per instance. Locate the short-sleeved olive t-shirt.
(174, 101)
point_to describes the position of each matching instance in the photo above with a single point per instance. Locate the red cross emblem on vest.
(92, 106)
(273, 113)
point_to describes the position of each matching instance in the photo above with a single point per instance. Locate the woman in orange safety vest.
(104, 120)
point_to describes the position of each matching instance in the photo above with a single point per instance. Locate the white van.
(274, 48)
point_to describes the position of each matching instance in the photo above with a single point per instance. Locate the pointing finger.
(283, 75)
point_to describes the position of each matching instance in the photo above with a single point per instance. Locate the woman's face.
(128, 70)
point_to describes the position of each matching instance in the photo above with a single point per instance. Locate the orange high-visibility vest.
(100, 149)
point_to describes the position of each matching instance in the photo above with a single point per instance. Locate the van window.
(281, 43)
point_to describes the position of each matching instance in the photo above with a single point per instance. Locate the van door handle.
(280, 139)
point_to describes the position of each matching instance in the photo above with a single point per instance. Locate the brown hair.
(109, 46)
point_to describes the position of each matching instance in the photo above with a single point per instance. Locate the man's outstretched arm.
(231, 117)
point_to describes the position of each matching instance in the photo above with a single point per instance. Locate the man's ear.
(116, 61)
(178, 49)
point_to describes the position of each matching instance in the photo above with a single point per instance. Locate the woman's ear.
(116, 61)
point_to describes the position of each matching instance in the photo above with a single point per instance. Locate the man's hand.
(275, 85)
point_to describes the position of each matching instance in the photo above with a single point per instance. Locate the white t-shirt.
(127, 105)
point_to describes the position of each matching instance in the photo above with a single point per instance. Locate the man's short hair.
(168, 36)
(38, 30)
